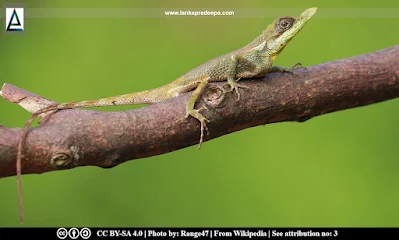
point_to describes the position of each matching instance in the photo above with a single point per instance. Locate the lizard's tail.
(143, 97)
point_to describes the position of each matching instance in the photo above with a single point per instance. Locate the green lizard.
(253, 60)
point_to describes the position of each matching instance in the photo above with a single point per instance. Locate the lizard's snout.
(308, 13)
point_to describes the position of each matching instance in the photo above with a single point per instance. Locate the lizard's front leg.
(231, 76)
(286, 69)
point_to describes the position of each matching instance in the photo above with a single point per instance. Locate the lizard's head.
(283, 30)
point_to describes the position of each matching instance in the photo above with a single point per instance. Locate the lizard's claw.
(234, 86)
(298, 65)
(204, 127)
(291, 69)
(183, 118)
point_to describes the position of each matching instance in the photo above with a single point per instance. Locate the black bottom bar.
(203, 233)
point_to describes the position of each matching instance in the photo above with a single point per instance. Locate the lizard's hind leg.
(190, 111)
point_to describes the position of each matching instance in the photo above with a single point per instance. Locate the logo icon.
(73, 233)
(85, 233)
(14, 19)
(62, 233)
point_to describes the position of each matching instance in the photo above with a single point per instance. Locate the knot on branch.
(214, 95)
(61, 160)
(66, 158)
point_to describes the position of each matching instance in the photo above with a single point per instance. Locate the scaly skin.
(253, 60)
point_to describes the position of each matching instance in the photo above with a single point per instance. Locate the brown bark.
(71, 138)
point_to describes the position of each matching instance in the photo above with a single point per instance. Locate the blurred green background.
(339, 169)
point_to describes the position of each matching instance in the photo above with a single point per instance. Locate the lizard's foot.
(298, 65)
(195, 113)
(188, 113)
(287, 70)
(234, 86)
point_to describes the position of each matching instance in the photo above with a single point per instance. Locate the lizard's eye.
(285, 23)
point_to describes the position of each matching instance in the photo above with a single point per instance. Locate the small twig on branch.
(72, 138)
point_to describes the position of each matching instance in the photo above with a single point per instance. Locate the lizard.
(252, 60)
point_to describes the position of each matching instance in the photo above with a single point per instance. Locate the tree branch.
(72, 138)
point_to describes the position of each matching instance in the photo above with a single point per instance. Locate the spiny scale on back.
(254, 59)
